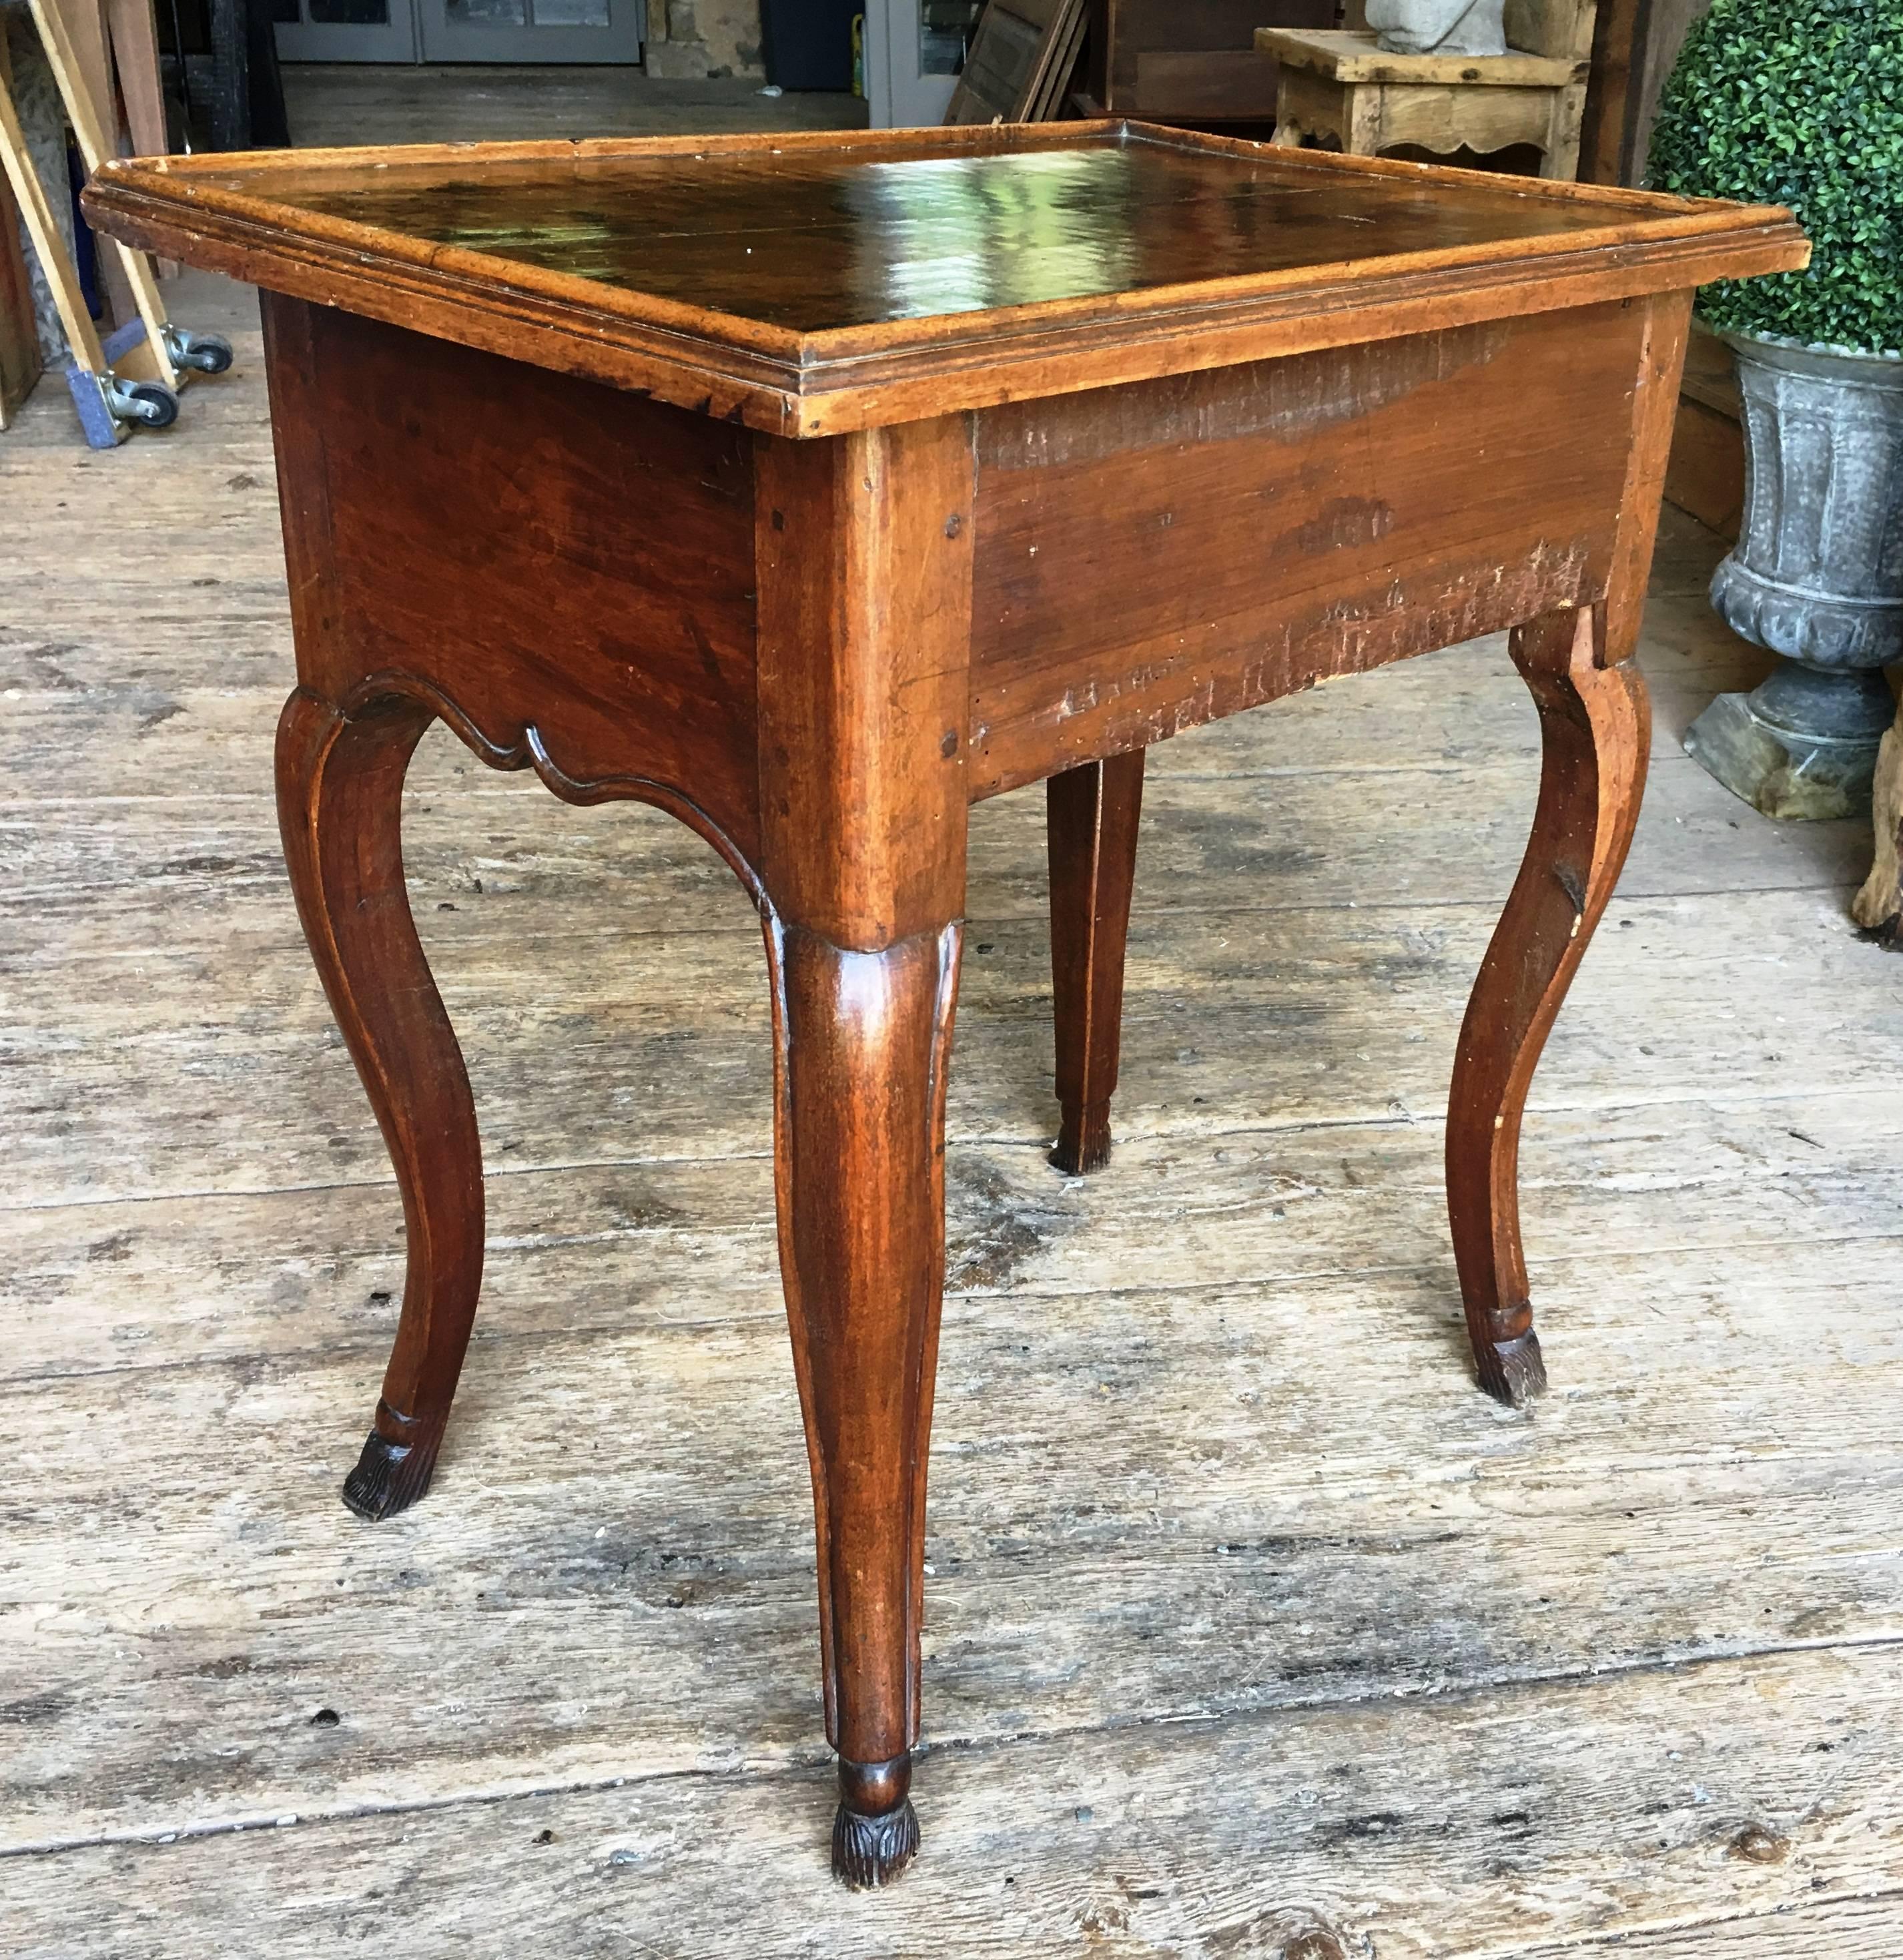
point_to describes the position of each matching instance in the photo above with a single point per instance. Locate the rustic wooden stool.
(988, 457)
(1339, 87)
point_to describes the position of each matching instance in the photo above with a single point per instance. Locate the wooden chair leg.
(1092, 815)
(863, 1040)
(1596, 725)
(340, 781)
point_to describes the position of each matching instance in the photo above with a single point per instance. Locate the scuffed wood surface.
(1761, 1788)
(1252, 1629)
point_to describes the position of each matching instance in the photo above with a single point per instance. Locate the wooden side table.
(991, 456)
(1339, 87)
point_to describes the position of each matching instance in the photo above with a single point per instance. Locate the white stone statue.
(1438, 26)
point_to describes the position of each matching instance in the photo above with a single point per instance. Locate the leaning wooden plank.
(1008, 60)
(134, 38)
(84, 91)
(132, 33)
(93, 65)
(1048, 105)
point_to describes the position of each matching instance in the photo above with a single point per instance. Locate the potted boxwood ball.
(1800, 103)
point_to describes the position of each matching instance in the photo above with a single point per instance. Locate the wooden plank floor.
(1253, 1629)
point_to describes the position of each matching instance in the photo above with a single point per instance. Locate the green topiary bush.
(1799, 102)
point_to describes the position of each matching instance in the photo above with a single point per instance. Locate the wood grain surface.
(1113, 607)
(810, 284)
(1216, 1509)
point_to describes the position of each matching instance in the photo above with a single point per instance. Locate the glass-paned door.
(460, 30)
(532, 31)
(345, 30)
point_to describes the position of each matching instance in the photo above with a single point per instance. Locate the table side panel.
(1152, 557)
(570, 566)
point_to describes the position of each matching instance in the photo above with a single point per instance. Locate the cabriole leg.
(340, 781)
(863, 1040)
(1092, 816)
(864, 554)
(1596, 725)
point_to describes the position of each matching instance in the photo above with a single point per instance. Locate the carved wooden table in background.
(814, 487)
(1339, 87)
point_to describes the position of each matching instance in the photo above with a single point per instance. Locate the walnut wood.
(1046, 507)
(1595, 725)
(340, 781)
(408, 604)
(1596, 731)
(811, 284)
(865, 548)
(1091, 815)
(863, 1042)
(591, 612)
(1117, 604)
(864, 554)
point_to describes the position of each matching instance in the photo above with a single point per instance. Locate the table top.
(813, 282)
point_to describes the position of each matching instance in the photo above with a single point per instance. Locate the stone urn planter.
(1438, 26)
(1795, 102)
(1816, 578)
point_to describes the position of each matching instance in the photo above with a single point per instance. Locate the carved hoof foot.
(1513, 1372)
(390, 1476)
(870, 1851)
(1083, 1145)
(875, 1836)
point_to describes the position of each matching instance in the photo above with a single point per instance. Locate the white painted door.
(914, 51)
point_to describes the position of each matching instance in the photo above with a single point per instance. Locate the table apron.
(1152, 557)
(572, 576)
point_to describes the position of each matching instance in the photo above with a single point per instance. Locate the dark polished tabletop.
(811, 239)
(810, 283)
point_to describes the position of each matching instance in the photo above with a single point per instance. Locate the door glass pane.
(349, 13)
(488, 13)
(570, 13)
(284, 12)
(944, 33)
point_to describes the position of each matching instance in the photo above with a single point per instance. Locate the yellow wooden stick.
(93, 149)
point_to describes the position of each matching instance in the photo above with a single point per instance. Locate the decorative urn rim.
(1823, 359)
